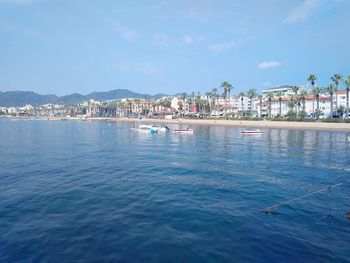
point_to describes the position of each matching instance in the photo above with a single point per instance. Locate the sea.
(97, 191)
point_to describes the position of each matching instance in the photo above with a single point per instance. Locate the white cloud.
(187, 39)
(303, 11)
(269, 64)
(222, 46)
(124, 32)
(164, 40)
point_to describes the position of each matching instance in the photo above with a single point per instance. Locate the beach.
(246, 123)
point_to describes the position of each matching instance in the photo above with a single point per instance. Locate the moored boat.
(188, 131)
(144, 129)
(252, 132)
(155, 127)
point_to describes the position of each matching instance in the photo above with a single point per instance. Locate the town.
(288, 102)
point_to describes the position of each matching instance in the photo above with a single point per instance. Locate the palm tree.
(227, 86)
(316, 92)
(215, 95)
(336, 78)
(241, 94)
(270, 96)
(251, 94)
(209, 95)
(303, 94)
(260, 102)
(279, 94)
(331, 89)
(347, 84)
(295, 90)
(312, 78)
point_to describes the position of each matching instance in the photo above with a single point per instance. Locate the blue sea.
(80, 191)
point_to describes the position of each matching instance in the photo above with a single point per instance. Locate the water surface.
(96, 191)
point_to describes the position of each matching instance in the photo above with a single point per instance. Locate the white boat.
(144, 129)
(252, 132)
(188, 131)
(155, 127)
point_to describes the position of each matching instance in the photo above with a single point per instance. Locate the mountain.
(71, 99)
(20, 98)
(116, 94)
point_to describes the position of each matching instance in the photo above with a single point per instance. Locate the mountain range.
(21, 98)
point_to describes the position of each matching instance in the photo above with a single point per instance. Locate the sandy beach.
(247, 123)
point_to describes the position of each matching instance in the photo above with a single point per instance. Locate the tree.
(241, 94)
(297, 100)
(270, 96)
(260, 104)
(336, 78)
(183, 98)
(215, 95)
(347, 84)
(295, 90)
(208, 95)
(227, 86)
(331, 89)
(303, 94)
(291, 105)
(312, 78)
(279, 94)
(316, 92)
(251, 94)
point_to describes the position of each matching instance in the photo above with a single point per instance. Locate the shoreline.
(322, 126)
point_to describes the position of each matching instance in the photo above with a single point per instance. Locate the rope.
(270, 209)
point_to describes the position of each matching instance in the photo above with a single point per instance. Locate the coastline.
(322, 126)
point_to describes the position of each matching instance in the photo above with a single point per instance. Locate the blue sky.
(61, 47)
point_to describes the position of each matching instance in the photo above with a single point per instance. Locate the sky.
(162, 46)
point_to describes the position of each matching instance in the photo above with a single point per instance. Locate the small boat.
(188, 131)
(145, 129)
(252, 132)
(155, 127)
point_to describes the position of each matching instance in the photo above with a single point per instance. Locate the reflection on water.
(96, 191)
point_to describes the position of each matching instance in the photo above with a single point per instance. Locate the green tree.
(270, 96)
(251, 94)
(296, 98)
(184, 99)
(347, 84)
(241, 94)
(331, 89)
(312, 78)
(227, 87)
(316, 92)
(336, 78)
(291, 114)
(303, 94)
(260, 104)
(279, 94)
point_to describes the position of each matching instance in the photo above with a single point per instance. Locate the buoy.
(348, 215)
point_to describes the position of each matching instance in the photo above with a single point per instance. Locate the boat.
(155, 127)
(252, 132)
(188, 131)
(144, 130)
